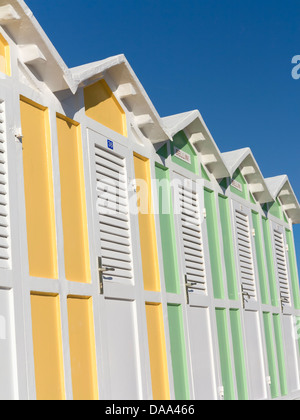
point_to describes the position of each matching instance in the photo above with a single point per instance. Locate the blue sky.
(231, 59)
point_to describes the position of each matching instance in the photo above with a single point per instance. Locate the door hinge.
(253, 232)
(204, 213)
(287, 248)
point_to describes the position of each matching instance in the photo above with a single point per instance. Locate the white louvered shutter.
(245, 254)
(281, 267)
(5, 259)
(192, 238)
(113, 213)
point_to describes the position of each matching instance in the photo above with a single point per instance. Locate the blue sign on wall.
(110, 144)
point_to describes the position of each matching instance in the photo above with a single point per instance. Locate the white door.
(248, 286)
(8, 368)
(290, 343)
(111, 168)
(189, 227)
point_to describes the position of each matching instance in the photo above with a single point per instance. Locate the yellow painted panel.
(73, 203)
(4, 56)
(157, 351)
(82, 348)
(47, 346)
(38, 184)
(102, 106)
(146, 224)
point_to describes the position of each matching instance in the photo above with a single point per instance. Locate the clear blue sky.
(231, 59)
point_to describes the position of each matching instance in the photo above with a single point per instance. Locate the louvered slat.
(281, 265)
(245, 254)
(113, 213)
(4, 213)
(192, 240)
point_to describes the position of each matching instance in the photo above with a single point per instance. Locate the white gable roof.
(243, 159)
(200, 138)
(281, 188)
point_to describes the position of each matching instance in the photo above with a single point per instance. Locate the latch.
(245, 296)
(18, 135)
(253, 232)
(101, 271)
(221, 393)
(187, 290)
(204, 213)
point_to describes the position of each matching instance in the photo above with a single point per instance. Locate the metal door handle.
(101, 271)
(105, 269)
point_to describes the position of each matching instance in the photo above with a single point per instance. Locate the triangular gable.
(243, 160)
(200, 138)
(281, 189)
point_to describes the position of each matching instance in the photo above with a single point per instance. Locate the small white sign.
(237, 185)
(182, 155)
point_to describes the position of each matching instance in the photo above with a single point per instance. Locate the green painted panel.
(271, 354)
(275, 209)
(178, 352)
(181, 142)
(224, 183)
(228, 248)
(167, 230)
(239, 355)
(237, 176)
(280, 354)
(262, 269)
(204, 173)
(163, 151)
(214, 243)
(270, 261)
(293, 268)
(224, 351)
(252, 200)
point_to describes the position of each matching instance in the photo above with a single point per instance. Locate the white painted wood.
(203, 369)
(255, 359)
(8, 362)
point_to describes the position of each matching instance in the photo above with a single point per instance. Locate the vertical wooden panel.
(8, 362)
(214, 243)
(239, 355)
(73, 203)
(157, 351)
(178, 352)
(167, 230)
(271, 354)
(228, 248)
(47, 346)
(82, 348)
(147, 224)
(224, 351)
(280, 354)
(38, 184)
